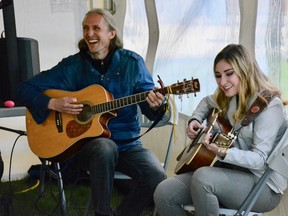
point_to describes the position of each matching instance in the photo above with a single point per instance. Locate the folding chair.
(222, 211)
(56, 174)
(277, 162)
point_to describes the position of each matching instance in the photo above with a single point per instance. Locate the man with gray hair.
(103, 61)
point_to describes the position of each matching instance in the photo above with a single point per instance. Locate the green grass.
(24, 199)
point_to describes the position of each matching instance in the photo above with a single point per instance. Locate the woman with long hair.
(228, 182)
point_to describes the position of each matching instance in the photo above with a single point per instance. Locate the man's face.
(97, 35)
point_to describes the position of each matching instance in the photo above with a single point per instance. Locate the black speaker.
(29, 66)
(1, 166)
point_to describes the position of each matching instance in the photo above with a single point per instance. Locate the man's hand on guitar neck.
(194, 127)
(66, 104)
(155, 100)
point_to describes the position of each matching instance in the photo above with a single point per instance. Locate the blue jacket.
(127, 75)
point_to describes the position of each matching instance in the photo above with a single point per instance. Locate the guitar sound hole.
(85, 114)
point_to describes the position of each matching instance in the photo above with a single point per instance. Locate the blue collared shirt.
(127, 75)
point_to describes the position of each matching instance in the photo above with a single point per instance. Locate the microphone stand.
(20, 132)
(6, 201)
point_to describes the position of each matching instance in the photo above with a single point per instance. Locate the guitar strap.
(257, 107)
(261, 102)
(160, 114)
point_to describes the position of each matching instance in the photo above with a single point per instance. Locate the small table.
(11, 112)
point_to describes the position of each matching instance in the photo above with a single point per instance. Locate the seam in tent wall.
(153, 28)
(248, 17)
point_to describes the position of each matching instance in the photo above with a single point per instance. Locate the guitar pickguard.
(74, 129)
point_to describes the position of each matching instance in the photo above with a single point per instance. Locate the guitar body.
(193, 156)
(48, 141)
(196, 155)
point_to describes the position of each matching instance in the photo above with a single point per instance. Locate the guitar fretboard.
(122, 102)
(178, 89)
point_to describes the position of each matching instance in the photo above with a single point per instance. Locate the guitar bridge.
(223, 140)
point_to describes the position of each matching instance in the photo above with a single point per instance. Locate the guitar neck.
(125, 101)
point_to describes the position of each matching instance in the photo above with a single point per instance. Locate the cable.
(7, 200)
(29, 189)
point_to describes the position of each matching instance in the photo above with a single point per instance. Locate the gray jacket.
(256, 141)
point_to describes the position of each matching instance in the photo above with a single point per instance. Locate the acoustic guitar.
(195, 154)
(62, 134)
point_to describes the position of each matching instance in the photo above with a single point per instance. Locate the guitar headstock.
(185, 87)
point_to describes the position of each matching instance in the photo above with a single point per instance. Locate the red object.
(9, 104)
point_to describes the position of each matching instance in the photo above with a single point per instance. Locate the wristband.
(222, 151)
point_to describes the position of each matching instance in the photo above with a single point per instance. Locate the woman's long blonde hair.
(252, 79)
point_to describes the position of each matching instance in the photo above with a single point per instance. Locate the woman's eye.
(230, 73)
(217, 76)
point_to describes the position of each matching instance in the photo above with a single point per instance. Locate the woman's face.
(226, 78)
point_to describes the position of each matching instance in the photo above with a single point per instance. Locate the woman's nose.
(223, 81)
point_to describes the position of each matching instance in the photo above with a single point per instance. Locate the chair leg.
(154, 211)
(61, 189)
(249, 202)
(56, 175)
(167, 158)
(89, 203)
(42, 178)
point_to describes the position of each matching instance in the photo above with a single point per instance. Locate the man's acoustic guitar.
(62, 135)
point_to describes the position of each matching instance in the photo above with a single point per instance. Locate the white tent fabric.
(192, 32)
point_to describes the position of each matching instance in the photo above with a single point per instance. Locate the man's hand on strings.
(66, 104)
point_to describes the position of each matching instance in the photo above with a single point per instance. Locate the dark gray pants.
(101, 157)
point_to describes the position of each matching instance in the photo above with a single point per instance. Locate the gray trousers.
(209, 187)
